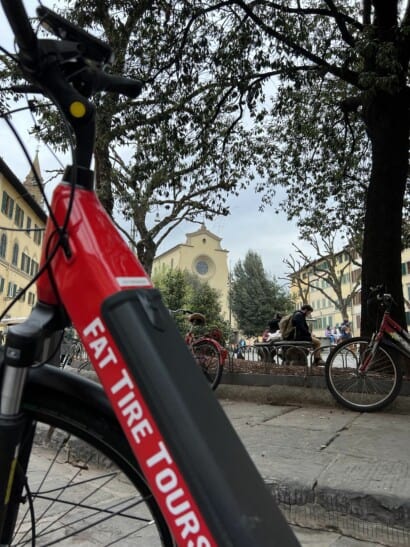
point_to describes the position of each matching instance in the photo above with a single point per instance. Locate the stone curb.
(362, 516)
(280, 390)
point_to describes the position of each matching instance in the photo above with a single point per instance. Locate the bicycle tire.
(368, 392)
(94, 437)
(210, 361)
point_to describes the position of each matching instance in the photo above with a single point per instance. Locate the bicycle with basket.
(206, 346)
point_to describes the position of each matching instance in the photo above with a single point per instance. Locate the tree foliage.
(311, 95)
(337, 131)
(254, 297)
(323, 272)
(182, 290)
(176, 153)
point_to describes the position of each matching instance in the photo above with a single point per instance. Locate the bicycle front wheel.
(83, 484)
(364, 391)
(209, 360)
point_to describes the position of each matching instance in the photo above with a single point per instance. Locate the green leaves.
(254, 297)
(181, 290)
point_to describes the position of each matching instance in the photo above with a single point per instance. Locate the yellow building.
(22, 222)
(203, 256)
(325, 313)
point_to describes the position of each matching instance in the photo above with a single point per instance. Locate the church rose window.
(202, 267)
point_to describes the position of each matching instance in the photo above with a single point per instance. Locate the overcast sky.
(267, 233)
(246, 228)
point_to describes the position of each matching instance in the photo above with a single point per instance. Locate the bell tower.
(31, 184)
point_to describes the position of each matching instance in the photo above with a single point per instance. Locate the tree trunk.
(146, 250)
(103, 177)
(387, 124)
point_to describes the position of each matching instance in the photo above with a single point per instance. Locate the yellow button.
(77, 109)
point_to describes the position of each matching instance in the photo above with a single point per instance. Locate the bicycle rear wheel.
(83, 482)
(365, 391)
(210, 361)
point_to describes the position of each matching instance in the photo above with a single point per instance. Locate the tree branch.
(341, 23)
(345, 74)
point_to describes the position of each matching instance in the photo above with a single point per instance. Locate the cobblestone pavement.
(341, 478)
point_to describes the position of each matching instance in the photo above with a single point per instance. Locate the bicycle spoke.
(361, 380)
(70, 502)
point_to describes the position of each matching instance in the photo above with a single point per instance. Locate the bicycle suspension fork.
(24, 346)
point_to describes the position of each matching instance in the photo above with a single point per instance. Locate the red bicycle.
(206, 348)
(362, 373)
(186, 478)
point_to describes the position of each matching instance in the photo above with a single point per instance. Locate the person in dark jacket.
(302, 332)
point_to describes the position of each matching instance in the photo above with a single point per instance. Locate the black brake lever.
(24, 88)
(90, 80)
(102, 81)
(92, 48)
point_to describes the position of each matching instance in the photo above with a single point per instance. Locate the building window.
(12, 290)
(356, 275)
(1, 284)
(25, 263)
(15, 257)
(21, 294)
(37, 234)
(31, 299)
(33, 268)
(7, 205)
(201, 267)
(357, 299)
(345, 278)
(3, 246)
(28, 226)
(19, 217)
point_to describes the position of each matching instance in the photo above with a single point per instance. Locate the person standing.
(329, 335)
(345, 330)
(303, 334)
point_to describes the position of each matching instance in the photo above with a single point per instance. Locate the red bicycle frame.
(191, 339)
(100, 266)
(145, 368)
(392, 334)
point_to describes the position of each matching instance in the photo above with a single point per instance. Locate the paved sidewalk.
(332, 468)
(329, 469)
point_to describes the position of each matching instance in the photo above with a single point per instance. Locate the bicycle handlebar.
(93, 48)
(385, 298)
(180, 310)
(21, 27)
(76, 43)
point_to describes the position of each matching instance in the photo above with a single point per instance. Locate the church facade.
(203, 256)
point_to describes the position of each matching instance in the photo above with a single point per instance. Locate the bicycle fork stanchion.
(12, 425)
(23, 346)
(11, 429)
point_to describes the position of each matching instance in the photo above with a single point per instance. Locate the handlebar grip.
(25, 88)
(22, 29)
(119, 84)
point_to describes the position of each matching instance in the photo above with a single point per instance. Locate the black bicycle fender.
(68, 384)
